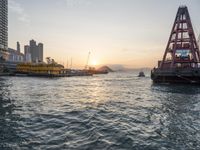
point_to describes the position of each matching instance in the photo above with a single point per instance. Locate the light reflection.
(95, 93)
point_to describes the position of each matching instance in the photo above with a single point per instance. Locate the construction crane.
(88, 59)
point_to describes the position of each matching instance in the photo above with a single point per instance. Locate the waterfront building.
(3, 29)
(15, 56)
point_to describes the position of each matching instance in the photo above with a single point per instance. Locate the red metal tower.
(182, 50)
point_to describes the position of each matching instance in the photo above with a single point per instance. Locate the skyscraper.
(18, 47)
(27, 53)
(3, 28)
(40, 49)
(36, 51)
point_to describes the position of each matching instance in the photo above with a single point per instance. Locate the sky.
(131, 33)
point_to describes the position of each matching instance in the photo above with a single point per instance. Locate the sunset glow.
(94, 63)
(123, 33)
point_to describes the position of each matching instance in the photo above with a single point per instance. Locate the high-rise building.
(27, 53)
(3, 28)
(36, 51)
(18, 47)
(40, 49)
(199, 41)
(26, 49)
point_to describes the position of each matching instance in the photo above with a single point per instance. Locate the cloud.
(16, 8)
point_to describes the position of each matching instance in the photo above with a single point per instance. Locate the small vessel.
(141, 74)
(93, 70)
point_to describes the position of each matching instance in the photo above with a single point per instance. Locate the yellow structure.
(39, 69)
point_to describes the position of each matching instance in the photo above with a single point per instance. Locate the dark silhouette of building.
(18, 47)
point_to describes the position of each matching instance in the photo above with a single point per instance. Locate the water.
(115, 111)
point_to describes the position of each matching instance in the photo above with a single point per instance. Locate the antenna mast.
(71, 64)
(88, 58)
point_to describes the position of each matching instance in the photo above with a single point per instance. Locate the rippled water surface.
(115, 111)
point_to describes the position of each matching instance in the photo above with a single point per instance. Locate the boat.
(93, 70)
(181, 60)
(75, 72)
(49, 69)
(141, 74)
(42, 70)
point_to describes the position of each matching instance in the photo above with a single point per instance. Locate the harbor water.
(111, 112)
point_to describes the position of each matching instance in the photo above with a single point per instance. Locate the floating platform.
(181, 60)
(189, 75)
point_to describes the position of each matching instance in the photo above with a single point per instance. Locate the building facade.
(3, 29)
(15, 56)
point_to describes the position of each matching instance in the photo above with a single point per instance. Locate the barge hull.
(185, 76)
(177, 79)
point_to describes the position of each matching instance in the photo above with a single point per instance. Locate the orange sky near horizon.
(129, 33)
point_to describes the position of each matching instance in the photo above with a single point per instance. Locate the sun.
(94, 63)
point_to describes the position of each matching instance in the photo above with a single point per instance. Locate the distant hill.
(116, 67)
(105, 68)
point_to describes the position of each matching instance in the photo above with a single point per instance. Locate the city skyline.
(129, 33)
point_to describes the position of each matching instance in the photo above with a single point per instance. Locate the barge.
(181, 60)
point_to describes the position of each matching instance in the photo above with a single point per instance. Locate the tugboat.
(181, 60)
(141, 74)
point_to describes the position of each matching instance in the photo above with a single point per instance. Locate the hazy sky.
(133, 33)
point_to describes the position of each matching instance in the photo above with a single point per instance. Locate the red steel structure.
(182, 50)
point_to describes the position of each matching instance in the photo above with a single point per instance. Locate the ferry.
(45, 70)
